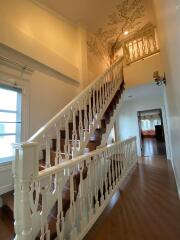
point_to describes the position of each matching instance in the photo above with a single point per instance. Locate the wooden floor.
(146, 208)
(153, 147)
(6, 224)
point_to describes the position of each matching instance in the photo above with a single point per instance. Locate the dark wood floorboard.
(153, 147)
(147, 207)
(6, 224)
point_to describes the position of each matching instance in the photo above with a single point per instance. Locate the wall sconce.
(159, 80)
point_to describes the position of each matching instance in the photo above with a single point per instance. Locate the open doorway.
(151, 128)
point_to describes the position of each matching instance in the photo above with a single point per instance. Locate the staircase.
(66, 174)
(95, 139)
(80, 127)
(65, 201)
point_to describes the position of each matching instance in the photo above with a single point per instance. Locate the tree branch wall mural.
(107, 40)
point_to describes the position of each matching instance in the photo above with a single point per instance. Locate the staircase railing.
(84, 113)
(82, 188)
(140, 45)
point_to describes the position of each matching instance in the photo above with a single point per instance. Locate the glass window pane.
(8, 99)
(6, 148)
(8, 128)
(7, 117)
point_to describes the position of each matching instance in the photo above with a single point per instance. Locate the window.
(10, 121)
(149, 124)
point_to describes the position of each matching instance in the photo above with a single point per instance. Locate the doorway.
(151, 131)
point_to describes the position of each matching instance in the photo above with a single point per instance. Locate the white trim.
(14, 81)
(176, 177)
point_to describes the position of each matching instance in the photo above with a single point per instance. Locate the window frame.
(18, 112)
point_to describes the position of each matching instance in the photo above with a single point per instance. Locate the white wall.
(168, 20)
(128, 120)
(96, 66)
(44, 94)
(42, 35)
(141, 72)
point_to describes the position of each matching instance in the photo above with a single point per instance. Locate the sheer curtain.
(149, 124)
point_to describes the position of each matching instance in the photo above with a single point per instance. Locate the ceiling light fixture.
(126, 33)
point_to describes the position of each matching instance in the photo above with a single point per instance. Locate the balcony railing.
(140, 45)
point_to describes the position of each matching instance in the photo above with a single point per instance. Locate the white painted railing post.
(135, 150)
(25, 169)
(140, 45)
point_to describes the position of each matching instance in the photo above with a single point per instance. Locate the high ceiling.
(93, 13)
(107, 22)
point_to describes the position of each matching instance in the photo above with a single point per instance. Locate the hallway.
(147, 209)
(153, 147)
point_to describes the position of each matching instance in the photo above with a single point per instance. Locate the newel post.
(25, 170)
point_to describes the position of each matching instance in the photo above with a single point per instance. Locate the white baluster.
(100, 96)
(86, 122)
(96, 183)
(74, 132)
(73, 233)
(118, 158)
(48, 152)
(154, 42)
(109, 172)
(116, 167)
(97, 98)
(138, 49)
(81, 131)
(148, 46)
(67, 147)
(143, 47)
(94, 103)
(101, 180)
(103, 91)
(105, 174)
(60, 214)
(44, 188)
(90, 107)
(58, 158)
(81, 196)
(133, 51)
(113, 172)
(105, 85)
(90, 194)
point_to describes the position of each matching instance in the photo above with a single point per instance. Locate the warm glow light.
(126, 33)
